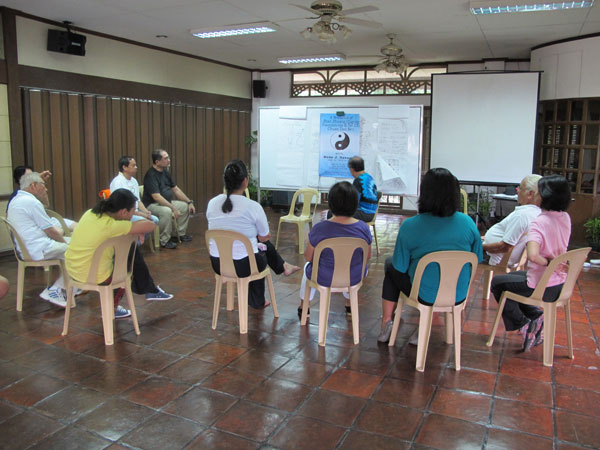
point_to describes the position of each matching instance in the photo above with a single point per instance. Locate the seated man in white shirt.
(125, 179)
(41, 236)
(509, 233)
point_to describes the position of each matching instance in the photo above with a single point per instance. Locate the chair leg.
(48, 273)
(354, 311)
(325, 296)
(20, 285)
(107, 306)
(375, 236)
(301, 226)
(305, 304)
(569, 329)
(70, 297)
(277, 239)
(129, 295)
(549, 333)
(449, 321)
(490, 341)
(396, 324)
(424, 332)
(230, 303)
(457, 316)
(217, 301)
(487, 283)
(156, 238)
(272, 295)
(243, 305)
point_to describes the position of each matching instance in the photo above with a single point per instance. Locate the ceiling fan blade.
(312, 11)
(359, 10)
(361, 22)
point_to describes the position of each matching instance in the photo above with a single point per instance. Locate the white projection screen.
(483, 125)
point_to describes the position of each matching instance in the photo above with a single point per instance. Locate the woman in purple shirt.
(343, 201)
(548, 238)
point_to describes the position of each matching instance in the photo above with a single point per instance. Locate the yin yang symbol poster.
(340, 141)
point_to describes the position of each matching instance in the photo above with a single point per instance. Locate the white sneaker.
(77, 291)
(56, 296)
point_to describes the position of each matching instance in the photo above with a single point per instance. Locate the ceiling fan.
(393, 60)
(328, 11)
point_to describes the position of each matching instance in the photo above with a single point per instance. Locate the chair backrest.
(224, 240)
(573, 263)
(308, 195)
(16, 239)
(465, 200)
(121, 268)
(104, 194)
(61, 220)
(343, 249)
(451, 264)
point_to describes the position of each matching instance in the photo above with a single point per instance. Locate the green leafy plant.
(592, 230)
(252, 138)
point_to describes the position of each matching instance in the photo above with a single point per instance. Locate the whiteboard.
(483, 125)
(390, 144)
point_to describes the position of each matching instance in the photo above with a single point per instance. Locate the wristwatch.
(190, 202)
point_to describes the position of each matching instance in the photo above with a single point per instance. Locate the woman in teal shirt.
(438, 226)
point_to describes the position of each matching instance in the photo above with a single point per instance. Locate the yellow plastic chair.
(305, 217)
(502, 267)
(343, 249)
(450, 263)
(61, 220)
(372, 222)
(224, 240)
(573, 262)
(121, 278)
(24, 260)
(465, 201)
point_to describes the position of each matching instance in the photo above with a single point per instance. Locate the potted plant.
(592, 232)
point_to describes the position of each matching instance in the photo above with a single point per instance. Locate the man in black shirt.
(165, 200)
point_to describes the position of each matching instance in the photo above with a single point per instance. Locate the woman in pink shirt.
(548, 238)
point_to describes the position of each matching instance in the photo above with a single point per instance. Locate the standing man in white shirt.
(43, 239)
(510, 231)
(125, 179)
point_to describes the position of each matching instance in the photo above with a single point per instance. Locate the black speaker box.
(66, 42)
(259, 88)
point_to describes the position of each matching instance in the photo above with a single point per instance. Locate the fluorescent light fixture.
(234, 30)
(513, 6)
(312, 59)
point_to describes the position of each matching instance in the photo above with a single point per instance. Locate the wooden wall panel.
(80, 138)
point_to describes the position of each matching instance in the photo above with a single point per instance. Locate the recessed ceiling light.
(234, 30)
(312, 59)
(513, 6)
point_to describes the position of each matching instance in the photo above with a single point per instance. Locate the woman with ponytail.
(233, 211)
(110, 218)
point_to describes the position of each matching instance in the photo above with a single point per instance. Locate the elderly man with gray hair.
(510, 231)
(41, 236)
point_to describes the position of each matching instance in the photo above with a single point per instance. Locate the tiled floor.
(182, 385)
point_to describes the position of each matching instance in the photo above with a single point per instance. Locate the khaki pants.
(165, 221)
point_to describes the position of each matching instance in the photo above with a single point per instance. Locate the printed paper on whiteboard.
(339, 141)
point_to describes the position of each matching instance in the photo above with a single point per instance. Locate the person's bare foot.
(289, 269)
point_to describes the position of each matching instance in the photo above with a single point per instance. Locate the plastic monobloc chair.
(343, 248)
(121, 278)
(502, 267)
(572, 262)
(450, 265)
(305, 217)
(372, 222)
(224, 240)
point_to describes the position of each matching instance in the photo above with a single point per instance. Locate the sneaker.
(55, 296)
(158, 295)
(170, 245)
(121, 313)
(539, 336)
(532, 330)
(386, 331)
(414, 337)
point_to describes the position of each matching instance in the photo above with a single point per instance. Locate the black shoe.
(185, 238)
(170, 245)
(300, 312)
(348, 311)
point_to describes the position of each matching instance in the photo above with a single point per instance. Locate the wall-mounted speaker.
(66, 42)
(259, 88)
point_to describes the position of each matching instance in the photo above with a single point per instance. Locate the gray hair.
(531, 182)
(28, 179)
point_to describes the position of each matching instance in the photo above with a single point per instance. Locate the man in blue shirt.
(367, 190)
